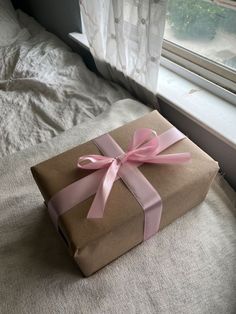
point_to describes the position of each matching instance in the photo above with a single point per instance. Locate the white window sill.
(81, 39)
(215, 113)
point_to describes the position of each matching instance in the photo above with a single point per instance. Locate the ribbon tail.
(97, 208)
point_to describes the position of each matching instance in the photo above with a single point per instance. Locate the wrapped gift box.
(96, 242)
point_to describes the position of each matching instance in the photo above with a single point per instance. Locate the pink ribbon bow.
(144, 148)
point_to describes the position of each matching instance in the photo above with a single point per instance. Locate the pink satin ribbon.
(144, 148)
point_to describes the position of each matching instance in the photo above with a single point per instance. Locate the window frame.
(196, 63)
(208, 69)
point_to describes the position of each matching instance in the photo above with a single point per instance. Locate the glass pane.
(204, 28)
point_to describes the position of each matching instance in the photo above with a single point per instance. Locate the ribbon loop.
(140, 137)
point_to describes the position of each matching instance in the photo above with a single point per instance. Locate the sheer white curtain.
(125, 38)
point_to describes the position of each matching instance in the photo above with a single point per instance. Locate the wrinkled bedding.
(188, 268)
(45, 88)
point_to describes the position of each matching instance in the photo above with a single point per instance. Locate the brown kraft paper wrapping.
(96, 242)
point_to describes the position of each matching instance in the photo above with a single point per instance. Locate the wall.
(58, 16)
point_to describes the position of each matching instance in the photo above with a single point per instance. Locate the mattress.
(189, 267)
(45, 88)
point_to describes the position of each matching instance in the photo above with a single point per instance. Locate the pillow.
(9, 26)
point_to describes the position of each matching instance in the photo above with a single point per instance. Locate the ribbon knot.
(145, 147)
(121, 158)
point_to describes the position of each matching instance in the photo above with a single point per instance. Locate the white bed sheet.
(45, 88)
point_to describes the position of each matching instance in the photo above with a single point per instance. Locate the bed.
(50, 102)
(45, 88)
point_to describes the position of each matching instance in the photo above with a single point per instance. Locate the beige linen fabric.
(189, 267)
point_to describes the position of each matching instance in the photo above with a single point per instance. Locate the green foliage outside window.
(229, 22)
(199, 19)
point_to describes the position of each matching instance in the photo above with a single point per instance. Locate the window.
(201, 36)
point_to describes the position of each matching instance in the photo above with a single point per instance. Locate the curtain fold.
(125, 38)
